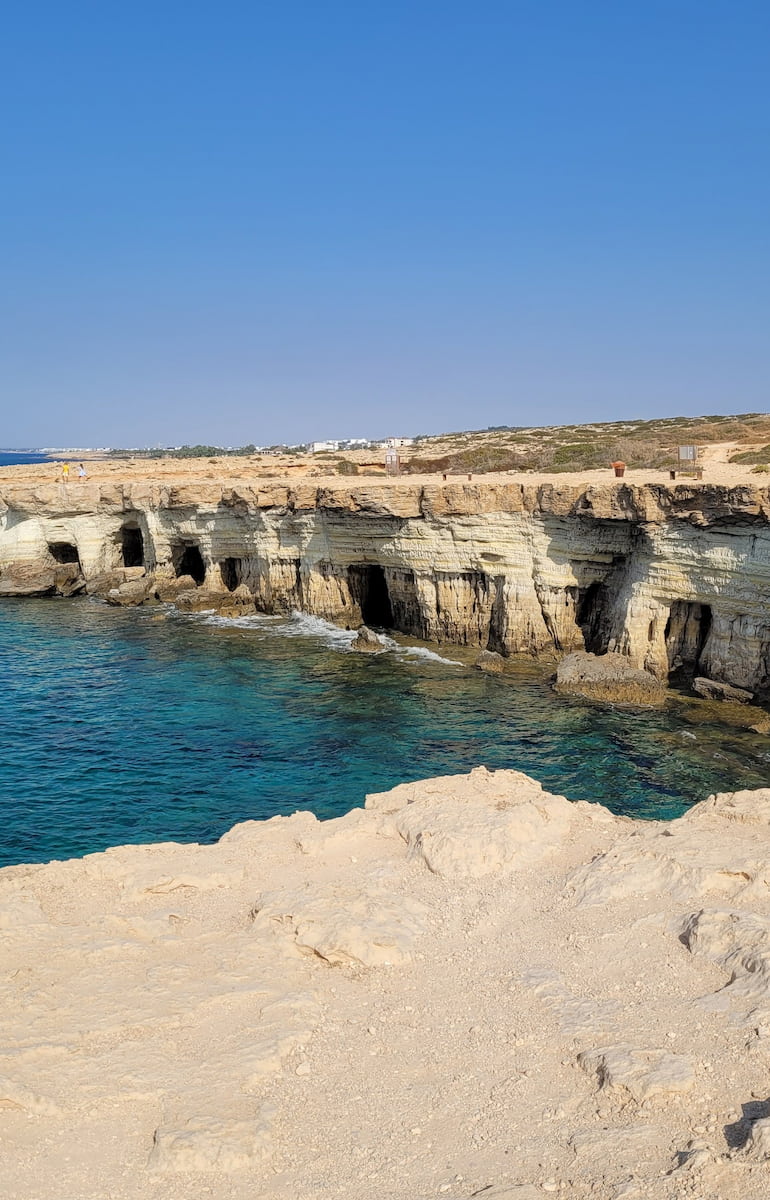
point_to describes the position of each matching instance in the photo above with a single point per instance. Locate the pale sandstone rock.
(689, 858)
(748, 807)
(739, 942)
(238, 603)
(132, 1004)
(212, 1144)
(610, 678)
(758, 1144)
(695, 1157)
(132, 592)
(163, 869)
(642, 1073)
(170, 588)
(344, 928)
(200, 600)
(468, 826)
(14, 1095)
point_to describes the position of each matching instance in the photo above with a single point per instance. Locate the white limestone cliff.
(664, 575)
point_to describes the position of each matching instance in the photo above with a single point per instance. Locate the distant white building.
(319, 447)
(393, 443)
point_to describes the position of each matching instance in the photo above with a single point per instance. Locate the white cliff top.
(469, 988)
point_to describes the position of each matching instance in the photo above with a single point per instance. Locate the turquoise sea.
(148, 725)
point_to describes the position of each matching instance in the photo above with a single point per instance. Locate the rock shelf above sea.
(470, 987)
(673, 576)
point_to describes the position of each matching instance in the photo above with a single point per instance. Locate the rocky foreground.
(471, 988)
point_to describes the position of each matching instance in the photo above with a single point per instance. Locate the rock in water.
(608, 677)
(491, 662)
(238, 603)
(367, 641)
(134, 592)
(712, 690)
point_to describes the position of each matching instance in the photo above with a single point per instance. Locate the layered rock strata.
(668, 576)
(469, 988)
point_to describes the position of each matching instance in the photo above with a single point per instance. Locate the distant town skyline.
(254, 223)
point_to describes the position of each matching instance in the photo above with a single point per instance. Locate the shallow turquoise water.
(146, 725)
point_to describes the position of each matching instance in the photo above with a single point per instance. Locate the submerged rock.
(713, 690)
(608, 677)
(491, 662)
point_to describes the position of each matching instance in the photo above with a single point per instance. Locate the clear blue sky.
(248, 221)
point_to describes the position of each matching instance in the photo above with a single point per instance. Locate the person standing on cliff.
(65, 472)
(81, 471)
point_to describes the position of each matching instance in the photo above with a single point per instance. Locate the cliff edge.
(471, 987)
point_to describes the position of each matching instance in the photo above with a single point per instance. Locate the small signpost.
(688, 463)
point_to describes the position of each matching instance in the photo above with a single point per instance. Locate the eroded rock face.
(667, 577)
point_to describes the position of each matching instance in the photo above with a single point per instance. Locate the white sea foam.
(252, 621)
(300, 625)
(305, 625)
(422, 652)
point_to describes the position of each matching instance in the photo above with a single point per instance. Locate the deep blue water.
(147, 725)
(13, 458)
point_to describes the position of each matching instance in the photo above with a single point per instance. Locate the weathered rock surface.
(608, 677)
(712, 690)
(384, 1004)
(667, 576)
(130, 593)
(366, 641)
(490, 661)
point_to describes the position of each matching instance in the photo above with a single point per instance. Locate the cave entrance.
(593, 616)
(132, 546)
(188, 560)
(687, 631)
(231, 573)
(369, 588)
(64, 552)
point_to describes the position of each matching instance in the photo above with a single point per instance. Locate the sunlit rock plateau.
(468, 988)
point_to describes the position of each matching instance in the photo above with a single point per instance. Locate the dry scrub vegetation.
(640, 444)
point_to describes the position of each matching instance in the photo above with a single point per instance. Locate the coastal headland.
(468, 988)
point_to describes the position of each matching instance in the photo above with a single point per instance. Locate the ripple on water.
(147, 725)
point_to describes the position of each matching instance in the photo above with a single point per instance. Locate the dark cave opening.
(591, 615)
(64, 552)
(687, 630)
(132, 546)
(231, 573)
(369, 589)
(188, 560)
